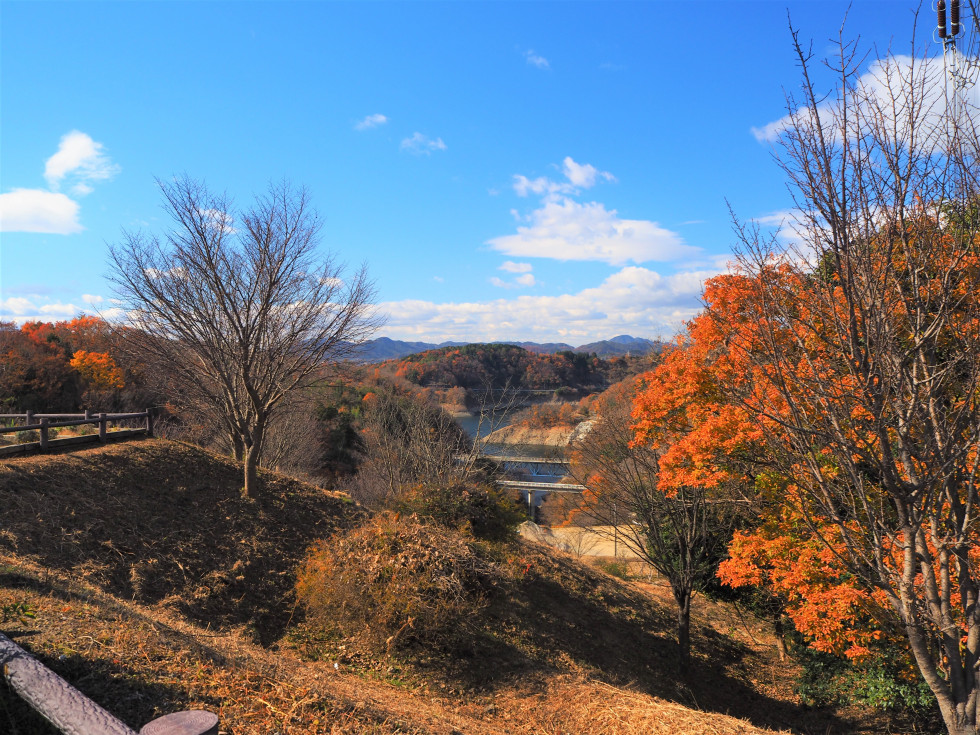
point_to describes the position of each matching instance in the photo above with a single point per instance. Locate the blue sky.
(508, 171)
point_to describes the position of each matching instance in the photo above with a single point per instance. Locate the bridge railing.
(43, 423)
(73, 713)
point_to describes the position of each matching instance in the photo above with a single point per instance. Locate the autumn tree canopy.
(62, 366)
(845, 370)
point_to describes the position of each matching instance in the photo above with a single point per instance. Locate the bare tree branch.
(239, 307)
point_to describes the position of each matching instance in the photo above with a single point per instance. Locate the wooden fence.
(43, 423)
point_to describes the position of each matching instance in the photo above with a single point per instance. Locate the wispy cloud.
(536, 60)
(422, 145)
(371, 121)
(81, 161)
(526, 279)
(791, 229)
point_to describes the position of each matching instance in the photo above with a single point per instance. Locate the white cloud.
(80, 158)
(583, 176)
(524, 281)
(371, 121)
(524, 186)
(886, 89)
(420, 144)
(36, 210)
(20, 309)
(777, 220)
(16, 306)
(215, 219)
(537, 60)
(92, 299)
(156, 273)
(634, 300)
(59, 310)
(579, 176)
(564, 229)
(79, 161)
(800, 236)
(511, 267)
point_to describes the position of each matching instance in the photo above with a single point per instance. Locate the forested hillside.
(496, 366)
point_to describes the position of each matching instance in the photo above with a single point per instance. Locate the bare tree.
(238, 306)
(408, 441)
(865, 349)
(681, 534)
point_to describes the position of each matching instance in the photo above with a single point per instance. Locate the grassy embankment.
(153, 587)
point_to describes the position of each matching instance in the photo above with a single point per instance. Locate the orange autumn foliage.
(685, 404)
(98, 369)
(51, 366)
(719, 402)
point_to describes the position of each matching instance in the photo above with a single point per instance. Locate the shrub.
(617, 568)
(30, 435)
(478, 509)
(394, 582)
(883, 681)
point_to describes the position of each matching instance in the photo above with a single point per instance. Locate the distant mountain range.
(384, 348)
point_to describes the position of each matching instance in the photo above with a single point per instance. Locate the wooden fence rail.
(44, 422)
(73, 713)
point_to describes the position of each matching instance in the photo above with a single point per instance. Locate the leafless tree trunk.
(240, 307)
(682, 535)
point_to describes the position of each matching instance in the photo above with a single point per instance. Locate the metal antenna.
(961, 64)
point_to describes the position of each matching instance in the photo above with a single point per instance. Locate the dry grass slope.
(156, 588)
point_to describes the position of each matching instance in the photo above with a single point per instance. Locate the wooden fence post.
(28, 418)
(59, 702)
(102, 427)
(149, 421)
(70, 711)
(44, 433)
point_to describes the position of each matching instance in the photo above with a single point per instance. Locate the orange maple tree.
(847, 392)
(849, 359)
(98, 370)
